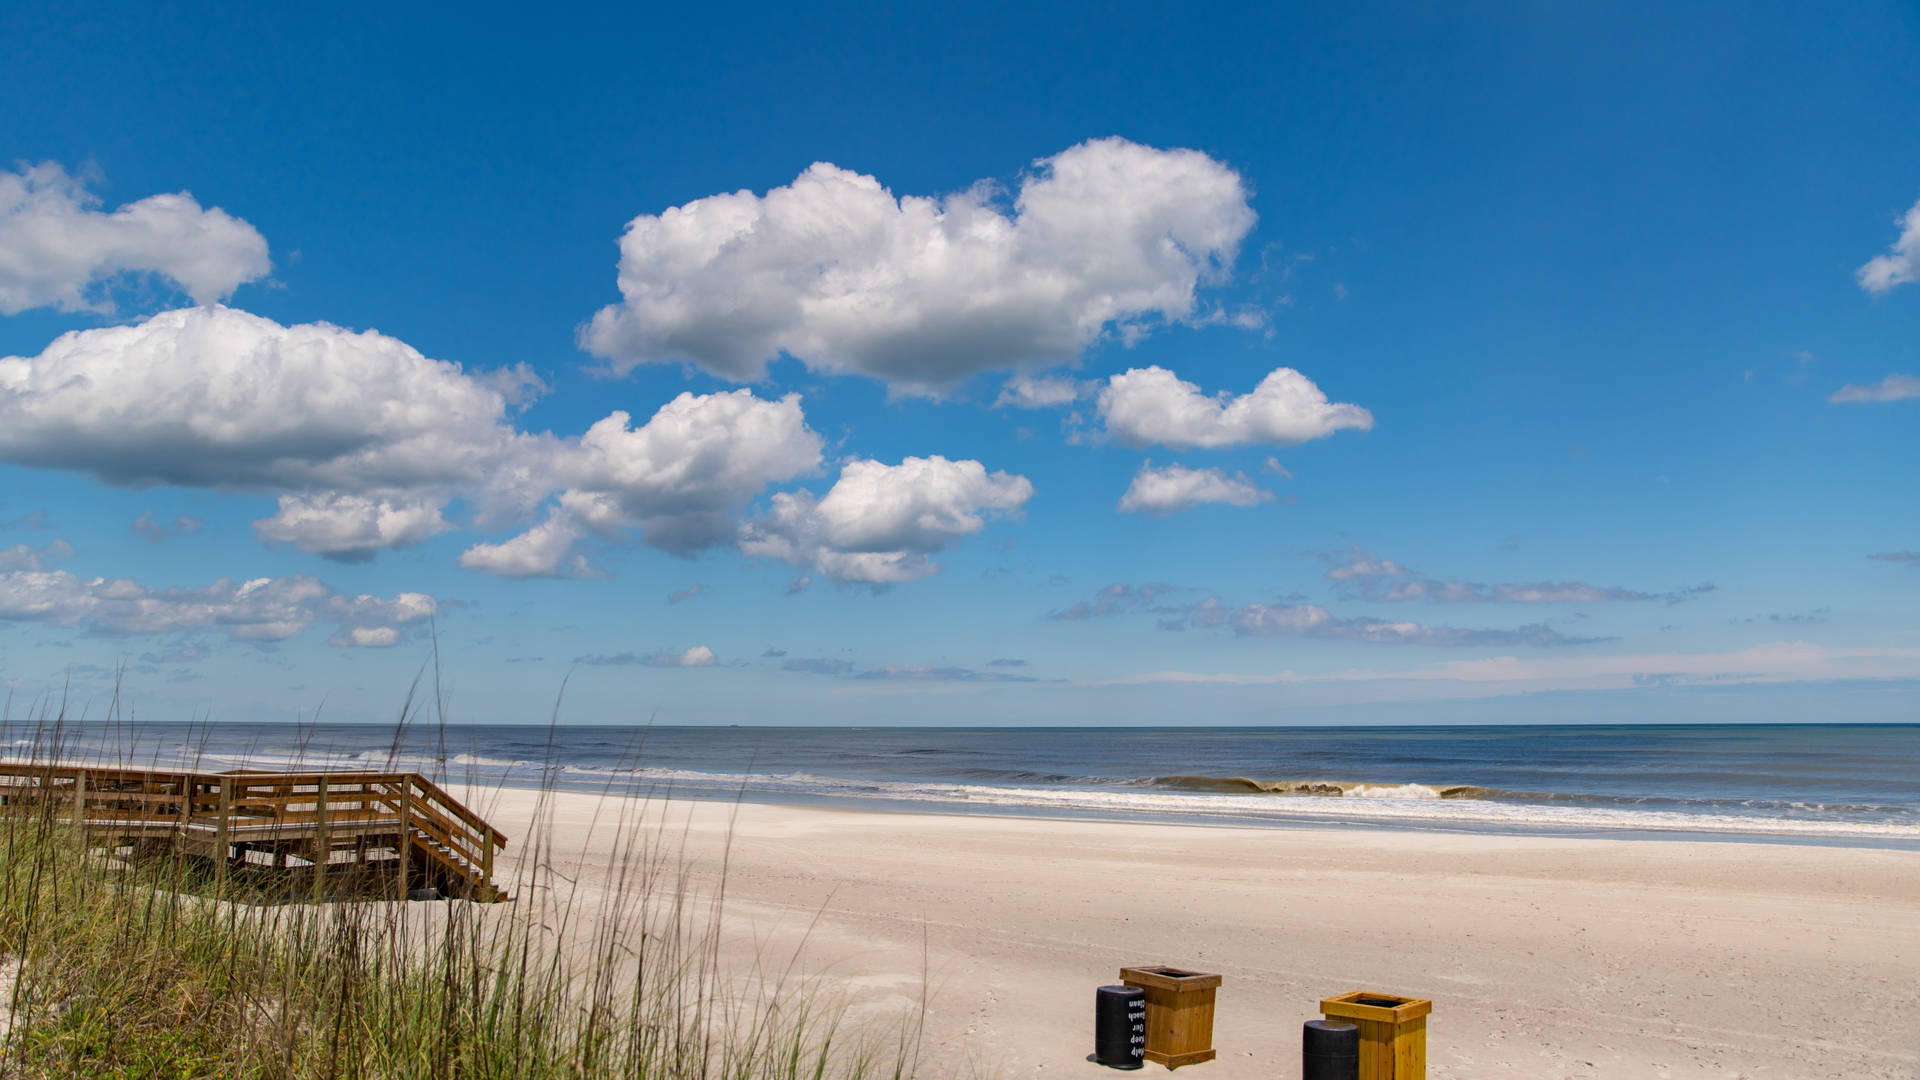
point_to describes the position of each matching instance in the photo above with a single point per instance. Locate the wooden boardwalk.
(400, 829)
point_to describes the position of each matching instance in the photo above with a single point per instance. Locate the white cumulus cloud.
(366, 637)
(350, 528)
(371, 622)
(57, 249)
(880, 524)
(260, 610)
(1037, 392)
(837, 271)
(698, 656)
(216, 397)
(365, 441)
(28, 557)
(545, 550)
(680, 476)
(1174, 488)
(1901, 264)
(1153, 405)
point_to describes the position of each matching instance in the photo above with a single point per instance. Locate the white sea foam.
(1393, 791)
(479, 761)
(1392, 804)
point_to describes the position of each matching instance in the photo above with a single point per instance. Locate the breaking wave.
(1324, 788)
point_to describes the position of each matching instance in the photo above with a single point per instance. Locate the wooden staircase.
(400, 829)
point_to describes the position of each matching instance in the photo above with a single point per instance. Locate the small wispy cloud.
(28, 557)
(924, 673)
(151, 529)
(814, 665)
(687, 593)
(698, 656)
(1314, 621)
(1891, 388)
(1113, 600)
(1780, 662)
(183, 653)
(1292, 616)
(910, 673)
(1364, 576)
(1785, 618)
(1038, 392)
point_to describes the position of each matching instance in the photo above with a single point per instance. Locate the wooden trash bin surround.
(1179, 1013)
(1393, 1032)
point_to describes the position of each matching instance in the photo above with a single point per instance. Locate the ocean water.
(1800, 782)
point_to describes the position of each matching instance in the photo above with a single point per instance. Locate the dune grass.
(117, 965)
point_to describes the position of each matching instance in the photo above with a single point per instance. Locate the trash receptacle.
(1393, 1032)
(1179, 1013)
(1329, 1050)
(1120, 1026)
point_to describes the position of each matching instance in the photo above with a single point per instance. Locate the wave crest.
(1358, 789)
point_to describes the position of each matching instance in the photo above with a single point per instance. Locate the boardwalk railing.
(401, 824)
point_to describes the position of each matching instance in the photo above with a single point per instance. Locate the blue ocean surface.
(1795, 782)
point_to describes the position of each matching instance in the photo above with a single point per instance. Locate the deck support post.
(80, 809)
(486, 858)
(406, 833)
(181, 823)
(320, 848)
(220, 830)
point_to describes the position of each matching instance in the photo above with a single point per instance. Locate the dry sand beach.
(1545, 957)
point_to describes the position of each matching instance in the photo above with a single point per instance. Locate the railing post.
(321, 850)
(486, 857)
(220, 830)
(79, 822)
(406, 829)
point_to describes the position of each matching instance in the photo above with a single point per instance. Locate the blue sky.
(1217, 364)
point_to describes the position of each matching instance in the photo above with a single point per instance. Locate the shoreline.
(1289, 811)
(1545, 956)
(1309, 815)
(1768, 783)
(1771, 783)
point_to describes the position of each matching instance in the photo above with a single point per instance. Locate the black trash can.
(1120, 1026)
(1330, 1050)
